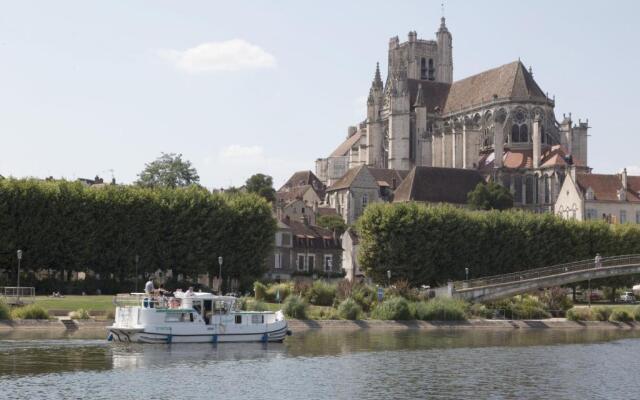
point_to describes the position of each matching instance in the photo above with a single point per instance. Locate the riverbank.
(298, 326)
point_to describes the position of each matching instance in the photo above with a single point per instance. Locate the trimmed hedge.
(65, 226)
(432, 244)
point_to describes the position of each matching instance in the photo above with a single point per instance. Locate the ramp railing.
(584, 265)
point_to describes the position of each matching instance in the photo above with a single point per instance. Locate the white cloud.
(235, 163)
(230, 55)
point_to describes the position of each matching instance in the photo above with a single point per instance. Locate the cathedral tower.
(445, 54)
(375, 137)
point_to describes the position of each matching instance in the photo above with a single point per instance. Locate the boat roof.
(204, 296)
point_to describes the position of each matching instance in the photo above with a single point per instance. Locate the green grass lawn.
(72, 303)
(613, 306)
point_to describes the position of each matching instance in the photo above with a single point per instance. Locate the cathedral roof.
(437, 185)
(509, 81)
(345, 146)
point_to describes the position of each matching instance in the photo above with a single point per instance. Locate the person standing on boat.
(149, 289)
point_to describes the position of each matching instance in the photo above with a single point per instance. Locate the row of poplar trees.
(65, 226)
(433, 244)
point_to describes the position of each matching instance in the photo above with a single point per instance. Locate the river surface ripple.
(331, 365)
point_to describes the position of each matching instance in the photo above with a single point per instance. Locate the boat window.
(257, 319)
(238, 319)
(178, 317)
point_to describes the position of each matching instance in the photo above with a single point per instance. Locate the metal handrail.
(575, 266)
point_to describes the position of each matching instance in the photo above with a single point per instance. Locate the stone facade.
(304, 249)
(612, 198)
(361, 186)
(499, 122)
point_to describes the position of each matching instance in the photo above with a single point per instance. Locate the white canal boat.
(192, 318)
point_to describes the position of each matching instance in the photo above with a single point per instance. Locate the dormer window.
(590, 195)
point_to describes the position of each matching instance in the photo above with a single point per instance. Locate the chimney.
(624, 179)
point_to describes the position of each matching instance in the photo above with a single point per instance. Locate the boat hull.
(137, 335)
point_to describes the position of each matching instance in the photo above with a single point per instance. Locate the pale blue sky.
(86, 87)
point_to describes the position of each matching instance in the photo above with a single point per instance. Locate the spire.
(377, 80)
(419, 100)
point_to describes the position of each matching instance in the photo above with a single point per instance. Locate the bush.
(395, 308)
(402, 288)
(523, 307)
(295, 307)
(272, 292)
(80, 313)
(344, 289)
(255, 305)
(111, 314)
(324, 314)
(364, 295)
(349, 309)
(620, 316)
(260, 291)
(31, 311)
(441, 309)
(556, 300)
(481, 311)
(636, 313)
(301, 287)
(5, 311)
(580, 314)
(602, 313)
(322, 293)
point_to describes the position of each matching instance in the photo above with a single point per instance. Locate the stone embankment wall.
(305, 325)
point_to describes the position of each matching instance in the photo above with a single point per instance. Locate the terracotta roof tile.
(606, 187)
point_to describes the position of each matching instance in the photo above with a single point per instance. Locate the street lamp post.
(19, 254)
(389, 276)
(220, 275)
(137, 261)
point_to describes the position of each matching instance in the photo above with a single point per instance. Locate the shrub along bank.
(65, 226)
(350, 301)
(432, 244)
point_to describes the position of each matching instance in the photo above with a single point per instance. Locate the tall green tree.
(262, 185)
(334, 223)
(169, 171)
(491, 196)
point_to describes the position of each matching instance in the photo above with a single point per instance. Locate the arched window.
(423, 68)
(524, 133)
(431, 69)
(515, 133)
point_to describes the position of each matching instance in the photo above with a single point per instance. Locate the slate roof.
(605, 187)
(509, 81)
(299, 180)
(345, 146)
(291, 194)
(437, 185)
(302, 230)
(381, 175)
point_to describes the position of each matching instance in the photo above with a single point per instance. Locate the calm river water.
(330, 365)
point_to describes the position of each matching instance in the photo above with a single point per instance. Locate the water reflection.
(32, 353)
